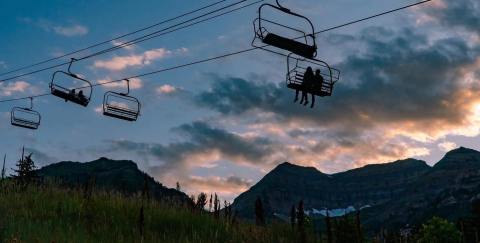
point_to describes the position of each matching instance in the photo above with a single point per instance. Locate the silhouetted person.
(308, 79)
(71, 94)
(317, 85)
(81, 96)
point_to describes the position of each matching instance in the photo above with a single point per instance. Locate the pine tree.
(328, 224)
(201, 201)
(210, 203)
(292, 216)
(300, 216)
(3, 168)
(25, 171)
(216, 206)
(178, 186)
(259, 213)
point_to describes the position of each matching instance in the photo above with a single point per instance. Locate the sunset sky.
(408, 88)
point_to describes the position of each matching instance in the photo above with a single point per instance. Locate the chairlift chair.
(69, 94)
(121, 105)
(304, 44)
(25, 117)
(296, 69)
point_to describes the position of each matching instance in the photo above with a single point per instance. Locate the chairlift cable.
(113, 39)
(227, 54)
(141, 39)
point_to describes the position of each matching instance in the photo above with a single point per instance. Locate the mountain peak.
(293, 168)
(462, 150)
(458, 158)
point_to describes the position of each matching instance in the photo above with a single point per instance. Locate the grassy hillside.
(53, 214)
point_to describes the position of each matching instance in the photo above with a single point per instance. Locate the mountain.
(111, 175)
(392, 194)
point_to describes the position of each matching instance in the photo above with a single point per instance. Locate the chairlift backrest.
(70, 94)
(306, 48)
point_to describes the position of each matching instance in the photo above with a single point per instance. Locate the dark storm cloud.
(399, 77)
(459, 13)
(200, 138)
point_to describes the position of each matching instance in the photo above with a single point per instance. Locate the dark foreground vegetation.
(35, 208)
(52, 214)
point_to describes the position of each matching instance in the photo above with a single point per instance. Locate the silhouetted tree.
(216, 206)
(178, 186)
(300, 216)
(25, 171)
(259, 213)
(292, 216)
(358, 226)
(439, 231)
(210, 203)
(201, 201)
(328, 224)
(301, 221)
(3, 167)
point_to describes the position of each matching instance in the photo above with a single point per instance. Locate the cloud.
(128, 46)
(447, 146)
(225, 186)
(202, 143)
(402, 91)
(118, 63)
(49, 26)
(166, 89)
(8, 89)
(70, 31)
(135, 83)
(462, 14)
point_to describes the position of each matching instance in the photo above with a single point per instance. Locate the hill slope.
(116, 175)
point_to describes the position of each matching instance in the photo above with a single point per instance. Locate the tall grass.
(54, 214)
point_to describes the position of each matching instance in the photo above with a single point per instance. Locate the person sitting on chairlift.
(316, 85)
(308, 80)
(72, 94)
(81, 96)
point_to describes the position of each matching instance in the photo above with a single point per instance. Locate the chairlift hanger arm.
(287, 11)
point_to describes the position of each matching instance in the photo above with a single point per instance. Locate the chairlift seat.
(120, 113)
(68, 96)
(294, 46)
(296, 69)
(23, 122)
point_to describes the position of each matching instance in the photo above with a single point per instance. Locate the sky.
(408, 88)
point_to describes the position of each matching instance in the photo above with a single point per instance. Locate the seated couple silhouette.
(310, 82)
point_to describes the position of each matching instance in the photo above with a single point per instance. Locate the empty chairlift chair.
(121, 105)
(297, 67)
(80, 95)
(25, 117)
(302, 42)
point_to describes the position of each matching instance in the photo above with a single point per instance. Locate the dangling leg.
(305, 95)
(296, 95)
(313, 100)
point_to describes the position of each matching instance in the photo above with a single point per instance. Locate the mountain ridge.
(409, 190)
